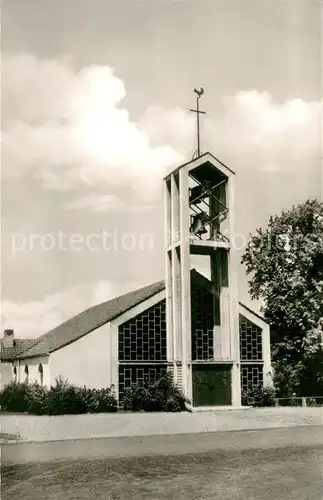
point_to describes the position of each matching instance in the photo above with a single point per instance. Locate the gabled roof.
(90, 320)
(97, 316)
(207, 157)
(20, 345)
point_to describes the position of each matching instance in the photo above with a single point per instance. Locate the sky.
(95, 110)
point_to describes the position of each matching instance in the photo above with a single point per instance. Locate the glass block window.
(132, 374)
(251, 375)
(143, 338)
(250, 340)
(202, 324)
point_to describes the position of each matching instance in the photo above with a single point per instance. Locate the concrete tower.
(202, 331)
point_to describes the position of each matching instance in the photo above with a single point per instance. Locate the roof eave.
(254, 313)
(22, 356)
(195, 159)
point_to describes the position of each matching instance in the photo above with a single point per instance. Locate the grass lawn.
(273, 474)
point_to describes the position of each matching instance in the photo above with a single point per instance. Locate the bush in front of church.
(24, 398)
(14, 398)
(259, 396)
(65, 398)
(37, 398)
(98, 400)
(160, 394)
(61, 399)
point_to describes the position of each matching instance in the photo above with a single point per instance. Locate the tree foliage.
(285, 262)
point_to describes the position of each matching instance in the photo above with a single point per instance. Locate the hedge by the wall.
(64, 398)
(14, 398)
(61, 399)
(156, 395)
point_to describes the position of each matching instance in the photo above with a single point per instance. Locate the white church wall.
(6, 371)
(34, 375)
(87, 361)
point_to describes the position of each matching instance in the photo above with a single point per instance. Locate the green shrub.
(259, 396)
(61, 399)
(37, 397)
(311, 402)
(65, 398)
(160, 394)
(107, 401)
(98, 400)
(14, 397)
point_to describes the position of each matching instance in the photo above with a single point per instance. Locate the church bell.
(198, 224)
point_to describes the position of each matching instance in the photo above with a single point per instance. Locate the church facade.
(190, 324)
(123, 340)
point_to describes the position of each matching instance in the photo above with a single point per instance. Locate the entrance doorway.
(212, 385)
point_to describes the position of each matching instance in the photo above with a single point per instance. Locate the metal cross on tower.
(199, 92)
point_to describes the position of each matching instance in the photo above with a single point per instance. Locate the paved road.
(160, 445)
(277, 464)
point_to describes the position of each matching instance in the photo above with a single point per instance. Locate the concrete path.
(45, 428)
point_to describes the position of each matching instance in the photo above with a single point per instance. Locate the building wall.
(34, 374)
(6, 370)
(87, 361)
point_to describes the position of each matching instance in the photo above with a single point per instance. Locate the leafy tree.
(285, 262)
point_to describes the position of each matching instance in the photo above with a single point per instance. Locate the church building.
(191, 323)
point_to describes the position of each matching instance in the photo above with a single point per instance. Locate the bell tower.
(202, 305)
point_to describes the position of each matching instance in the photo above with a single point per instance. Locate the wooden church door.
(212, 385)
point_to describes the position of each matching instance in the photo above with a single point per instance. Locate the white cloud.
(31, 319)
(250, 129)
(176, 127)
(277, 128)
(96, 203)
(66, 127)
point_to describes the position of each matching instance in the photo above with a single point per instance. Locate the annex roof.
(19, 346)
(90, 320)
